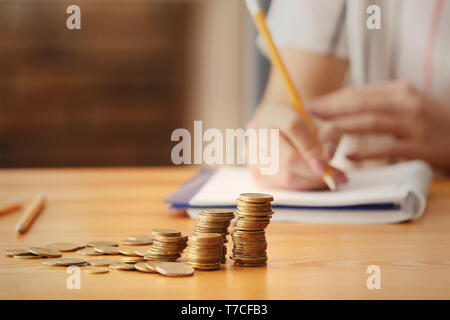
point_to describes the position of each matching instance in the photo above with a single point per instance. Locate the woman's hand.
(302, 162)
(420, 124)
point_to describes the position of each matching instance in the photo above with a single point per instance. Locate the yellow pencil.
(31, 214)
(12, 206)
(260, 21)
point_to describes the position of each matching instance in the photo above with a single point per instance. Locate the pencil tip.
(20, 228)
(330, 182)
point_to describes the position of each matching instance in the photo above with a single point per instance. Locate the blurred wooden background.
(109, 94)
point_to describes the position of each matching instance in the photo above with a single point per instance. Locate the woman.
(381, 94)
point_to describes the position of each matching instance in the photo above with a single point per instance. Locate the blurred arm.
(313, 74)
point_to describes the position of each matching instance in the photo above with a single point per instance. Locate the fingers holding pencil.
(328, 175)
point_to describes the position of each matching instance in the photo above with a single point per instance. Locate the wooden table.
(306, 261)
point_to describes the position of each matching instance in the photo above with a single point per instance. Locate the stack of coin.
(167, 245)
(215, 221)
(253, 214)
(205, 251)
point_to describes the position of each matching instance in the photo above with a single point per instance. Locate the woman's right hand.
(301, 159)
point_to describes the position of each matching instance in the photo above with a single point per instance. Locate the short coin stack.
(205, 251)
(253, 214)
(215, 221)
(167, 245)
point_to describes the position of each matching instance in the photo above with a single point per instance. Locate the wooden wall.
(107, 95)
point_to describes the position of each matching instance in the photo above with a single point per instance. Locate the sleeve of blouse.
(315, 25)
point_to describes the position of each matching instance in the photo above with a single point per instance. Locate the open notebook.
(386, 194)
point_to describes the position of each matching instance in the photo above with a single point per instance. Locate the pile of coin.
(133, 259)
(205, 251)
(253, 214)
(215, 221)
(167, 245)
(207, 245)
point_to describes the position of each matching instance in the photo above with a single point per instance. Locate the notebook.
(387, 194)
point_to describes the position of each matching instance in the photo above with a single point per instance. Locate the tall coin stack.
(205, 251)
(215, 221)
(167, 245)
(253, 214)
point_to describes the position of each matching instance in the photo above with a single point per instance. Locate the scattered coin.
(12, 252)
(122, 266)
(107, 249)
(133, 259)
(49, 262)
(96, 270)
(28, 255)
(102, 262)
(67, 262)
(141, 252)
(89, 252)
(151, 265)
(138, 240)
(140, 237)
(174, 269)
(45, 252)
(142, 266)
(128, 251)
(102, 243)
(64, 246)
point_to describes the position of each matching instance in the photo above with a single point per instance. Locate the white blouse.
(413, 43)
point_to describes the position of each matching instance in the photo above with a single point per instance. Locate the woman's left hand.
(420, 124)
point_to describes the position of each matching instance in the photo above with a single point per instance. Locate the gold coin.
(122, 266)
(165, 233)
(107, 249)
(205, 266)
(138, 242)
(174, 269)
(45, 252)
(141, 252)
(252, 205)
(207, 237)
(128, 252)
(89, 252)
(151, 265)
(140, 237)
(102, 243)
(102, 262)
(12, 252)
(68, 261)
(142, 266)
(49, 262)
(170, 239)
(96, 270)
(218, 211)
(64, 246)
(133, 259)
(28, 255)
(255, 197)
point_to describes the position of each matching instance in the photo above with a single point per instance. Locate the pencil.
(31, 214)
(12, 206)
(275, 57)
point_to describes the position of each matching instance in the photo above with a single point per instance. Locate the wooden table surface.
(306, 261)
